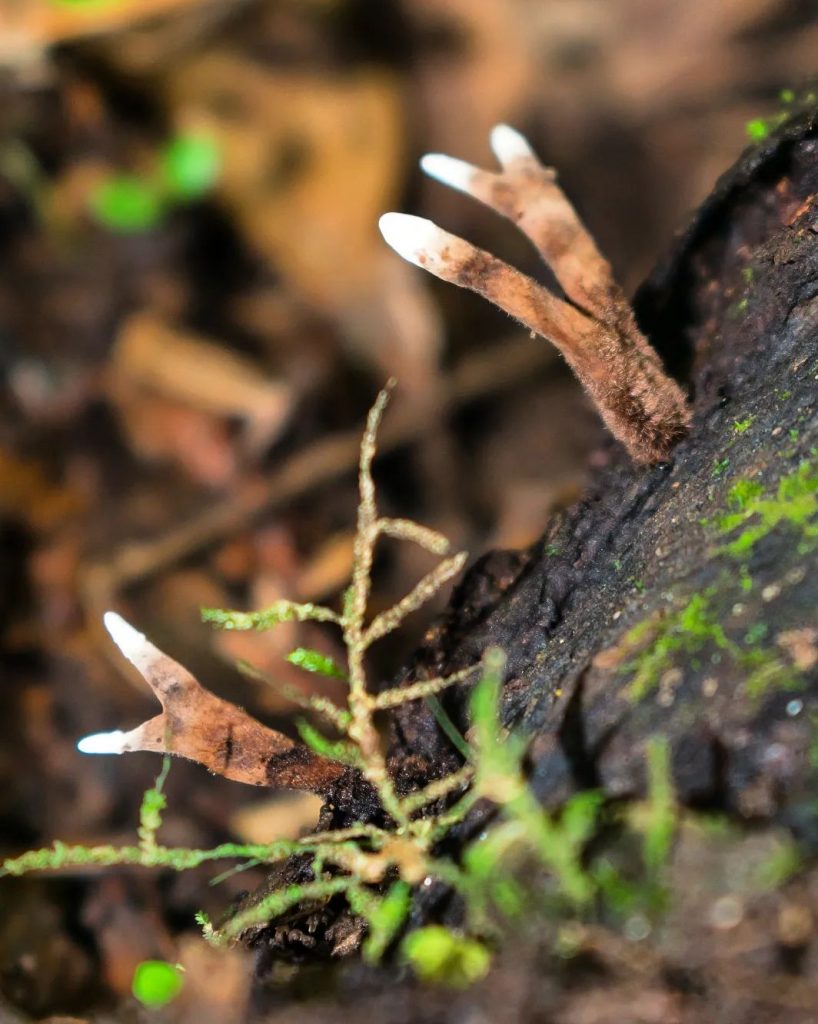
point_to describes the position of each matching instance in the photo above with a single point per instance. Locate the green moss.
(443, 957)
(760, 128)
(156, 983)
(126, 204)
(757, 130)
(778, 867)
(315, 661)
(190, 166)
(755, 513)
(720, 467)
(756, 633)
(689, 630)
(694, 631)
(766, 671)
(741, 426)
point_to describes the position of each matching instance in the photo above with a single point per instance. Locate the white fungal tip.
(509, 145)
(129, 640)
(102, 742)
(414, 238)
(447, 170)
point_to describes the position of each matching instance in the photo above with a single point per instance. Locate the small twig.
(416, 598)
(438, 789)
(281, 611)
(424, 536)
(362, 729)
(397, 695)
(310, 702)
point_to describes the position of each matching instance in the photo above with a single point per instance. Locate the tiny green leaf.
(442, 956)
(315, 661)
(580, 818)
(385, 919)
(156, 983)
(126, 204)
(661, 823)
(336, 750)
(451, 731)
(190, 166)
(757, 129)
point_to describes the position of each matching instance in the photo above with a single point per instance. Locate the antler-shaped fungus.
(594, 326)
(198, 725)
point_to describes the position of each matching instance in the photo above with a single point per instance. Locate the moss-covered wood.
(682, 599)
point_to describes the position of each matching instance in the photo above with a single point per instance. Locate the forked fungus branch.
(593, 327)
(198, 725)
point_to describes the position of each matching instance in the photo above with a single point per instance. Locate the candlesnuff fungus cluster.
(376, 861)
(593, 327)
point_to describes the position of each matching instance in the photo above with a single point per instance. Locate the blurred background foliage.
(196, 309)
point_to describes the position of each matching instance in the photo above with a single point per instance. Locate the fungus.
(593, 326)
(197, 724)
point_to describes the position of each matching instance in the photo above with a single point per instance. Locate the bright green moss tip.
(757, 130)
(755, 513)
(688, 630)
(156, 983)
(314, 661)
(191, 165)
(126, 204)
(439, 955)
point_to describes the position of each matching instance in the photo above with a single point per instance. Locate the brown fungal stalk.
(593, 327)
(198, 725)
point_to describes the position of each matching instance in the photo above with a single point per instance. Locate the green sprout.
(191, 165)
(186, 169)
(439, 955)
(126, 204)
(156, 983)
(314, 661)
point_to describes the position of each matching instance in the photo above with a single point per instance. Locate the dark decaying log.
(640, 611)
